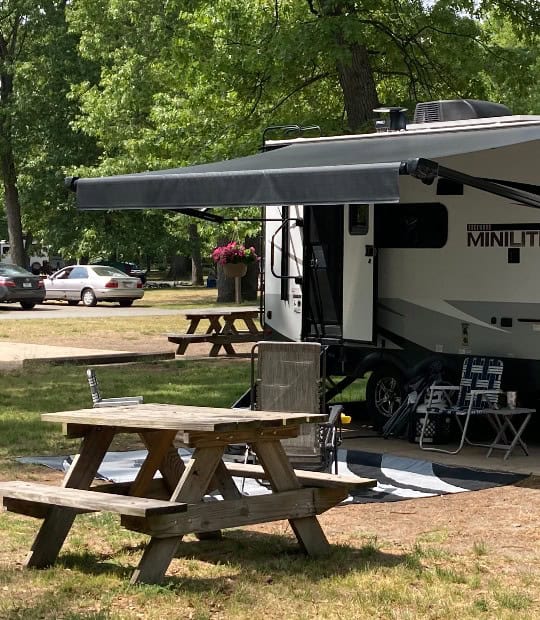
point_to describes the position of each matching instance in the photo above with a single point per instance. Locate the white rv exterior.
(36, 260)
(450, 270)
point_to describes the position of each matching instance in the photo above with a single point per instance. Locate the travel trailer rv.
(392, 248)
(39, 256)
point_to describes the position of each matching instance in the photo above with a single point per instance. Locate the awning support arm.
(202, 214)
(428, 170)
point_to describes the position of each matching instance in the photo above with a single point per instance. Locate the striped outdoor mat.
(398, 477)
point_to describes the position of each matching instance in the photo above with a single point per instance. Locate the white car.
(92, 283)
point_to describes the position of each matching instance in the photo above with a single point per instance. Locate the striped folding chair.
(478, 390)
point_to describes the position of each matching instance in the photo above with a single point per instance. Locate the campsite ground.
(468, 555)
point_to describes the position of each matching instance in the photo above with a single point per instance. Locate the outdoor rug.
(398, 478)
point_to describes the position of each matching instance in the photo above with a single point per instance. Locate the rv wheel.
(384, 393)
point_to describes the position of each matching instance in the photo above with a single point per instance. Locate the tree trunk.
(9, 174)
(180, 267)
(225, 287)
(196, 259)
(12, 204)
(250, 283)
(358, 85)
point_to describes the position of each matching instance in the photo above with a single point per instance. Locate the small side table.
(508, 436)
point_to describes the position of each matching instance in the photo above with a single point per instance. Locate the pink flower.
(234, 252)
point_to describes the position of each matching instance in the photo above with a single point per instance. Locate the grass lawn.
(376, 569)
(140, 333)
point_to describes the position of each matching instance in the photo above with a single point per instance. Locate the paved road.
(52, 310)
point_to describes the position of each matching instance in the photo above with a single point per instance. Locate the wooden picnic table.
(166, 508)
(223, 329)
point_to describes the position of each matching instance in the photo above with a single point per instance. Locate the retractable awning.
(296, 174)
(317, 172)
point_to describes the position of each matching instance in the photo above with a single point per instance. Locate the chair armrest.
(441, 389)
(482, 393)
(118, 402)
(333, 416)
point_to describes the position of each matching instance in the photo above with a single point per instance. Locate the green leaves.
(113, 86)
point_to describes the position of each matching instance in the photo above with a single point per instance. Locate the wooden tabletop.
(181, 418)
(251, 311)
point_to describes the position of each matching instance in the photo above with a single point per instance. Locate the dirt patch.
(136, 344)
(504, 519)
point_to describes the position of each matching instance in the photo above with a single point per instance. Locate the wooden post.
(237, 290)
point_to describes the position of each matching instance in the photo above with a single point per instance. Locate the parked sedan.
(19, 285)
(93, 283)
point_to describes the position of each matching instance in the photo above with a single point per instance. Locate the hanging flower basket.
(235, 270)
(234, 258)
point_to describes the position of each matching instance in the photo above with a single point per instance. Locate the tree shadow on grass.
(241, 556)
(262, 551)
(94, 564)
(261, 557)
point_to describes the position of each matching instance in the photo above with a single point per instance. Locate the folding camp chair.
(477, 392)
(290, 376)
(416, 388)
(99, 401)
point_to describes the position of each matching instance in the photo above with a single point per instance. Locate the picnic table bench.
(166, 508)
(222, 329)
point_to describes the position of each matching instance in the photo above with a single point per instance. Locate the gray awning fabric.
(268, 178)
(323, 171)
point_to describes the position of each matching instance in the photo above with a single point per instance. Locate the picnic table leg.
(217, 328)
(161, 453)
(190, 489)
(250, 324)
(228, 328)
(223, 482)
(182, 346)
(281, 475)
(58, 522)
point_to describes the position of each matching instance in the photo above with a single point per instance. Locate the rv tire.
(384, 394)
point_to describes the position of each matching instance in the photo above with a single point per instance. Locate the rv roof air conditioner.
(457, 110)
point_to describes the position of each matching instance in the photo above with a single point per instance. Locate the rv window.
(358, 219)
(411, 225)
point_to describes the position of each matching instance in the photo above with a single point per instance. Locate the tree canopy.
(94, 87)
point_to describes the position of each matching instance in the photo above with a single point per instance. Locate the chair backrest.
(479, 373)
(94, 385)
(288, 378)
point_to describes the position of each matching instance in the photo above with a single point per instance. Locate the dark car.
(132, 269)
(19, 285)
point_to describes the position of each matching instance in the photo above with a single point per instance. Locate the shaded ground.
(499, 525)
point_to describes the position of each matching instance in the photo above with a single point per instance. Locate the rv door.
(323, 269)
(359, 270)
